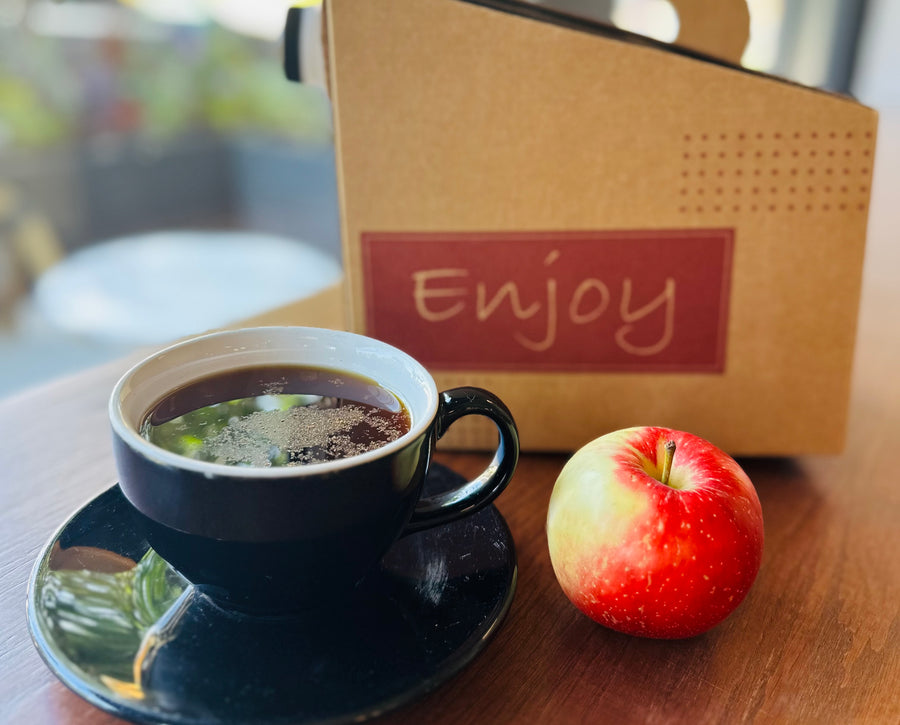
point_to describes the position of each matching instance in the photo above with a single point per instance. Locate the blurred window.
(122, 118)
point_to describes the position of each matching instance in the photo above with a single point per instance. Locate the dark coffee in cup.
(276, 415)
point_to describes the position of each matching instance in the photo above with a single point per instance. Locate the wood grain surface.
(816, 640)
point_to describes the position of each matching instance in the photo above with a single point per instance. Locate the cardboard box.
(604, 230)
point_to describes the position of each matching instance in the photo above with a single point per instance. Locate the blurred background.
(159, 176)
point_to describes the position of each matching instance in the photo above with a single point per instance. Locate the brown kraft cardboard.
(603, 230)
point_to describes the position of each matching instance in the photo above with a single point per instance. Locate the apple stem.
(667, 462)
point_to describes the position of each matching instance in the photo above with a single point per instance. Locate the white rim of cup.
(131, 437)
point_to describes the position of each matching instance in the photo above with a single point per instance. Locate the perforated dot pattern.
(794, 172)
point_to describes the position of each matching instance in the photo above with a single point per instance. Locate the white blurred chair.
(157, 287)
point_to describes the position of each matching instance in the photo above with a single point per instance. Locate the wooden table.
(816, 641)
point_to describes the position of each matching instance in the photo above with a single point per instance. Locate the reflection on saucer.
(101, 611)
(124, 630)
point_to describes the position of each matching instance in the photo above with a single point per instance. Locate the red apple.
(654, 532)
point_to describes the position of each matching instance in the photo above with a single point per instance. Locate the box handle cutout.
(720, 28)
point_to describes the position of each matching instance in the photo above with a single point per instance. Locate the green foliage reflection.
(99, 619)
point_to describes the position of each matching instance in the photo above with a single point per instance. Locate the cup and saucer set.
(202, 592)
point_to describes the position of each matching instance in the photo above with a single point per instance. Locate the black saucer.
(126, 632)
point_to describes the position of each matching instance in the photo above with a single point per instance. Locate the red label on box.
(654, 301)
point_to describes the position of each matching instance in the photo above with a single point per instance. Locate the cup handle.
(479, 492)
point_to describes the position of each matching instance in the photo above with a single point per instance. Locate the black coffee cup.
(280, 538)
